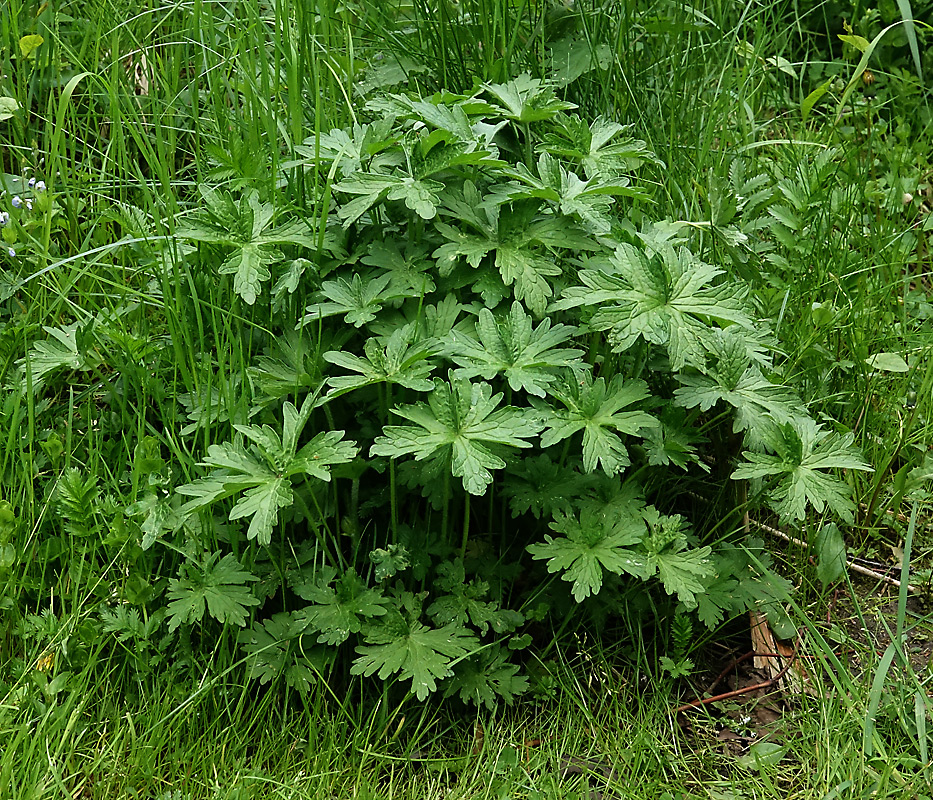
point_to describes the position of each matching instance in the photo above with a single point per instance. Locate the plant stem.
(466, 526)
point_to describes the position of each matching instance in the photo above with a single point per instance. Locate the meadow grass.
(125, 108)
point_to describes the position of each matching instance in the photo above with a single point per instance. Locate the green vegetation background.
(462, 345)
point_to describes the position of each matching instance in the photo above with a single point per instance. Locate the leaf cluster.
(486, 376)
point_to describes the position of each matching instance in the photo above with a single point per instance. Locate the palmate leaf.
(487, 678)
(389, 561)
(263, 471)
(68, 347)
(245, 227)
(794, 473)
(598, 146)
(290, 366)
(529, 273)
(249, 265)
(758, 403)
(668, 299)
(599, 539)
(359, 302)
(516, 234)
(401, 644)
(345, 150)
(543, 487)
(674, 441)
(420, 195)
(684, 572)
(463, 602)
(216, 585)
(526, 99)
(273, 649)
(157, 515)
(402, 360)
(596, 409)
(589, 200)
(527, 357)
(455, 426)
(339, 607)
(410, 270)
(455, 138)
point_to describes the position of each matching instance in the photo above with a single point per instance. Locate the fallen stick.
(739, 692)
(880, 576)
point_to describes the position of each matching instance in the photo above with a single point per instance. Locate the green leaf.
(668, 299)
(245, 227)
(403, 360)
(830, 554)
(339, 608)
(599, 147)
(887, 362)
(454, 429)
(543, 487)
(249, 265)
(289, 367)
(801, 451)
(529, 273)
(29, 44)
(358, 302)
(673, 441)
(590, 201)
(158, 516)
(76, 497)
(463, 602)
(598, 540)
(762, 755)
(574, 56)
(389, 561)
(526, 99)
(758, 403)
(402, 645)
(527, 357)
(410, 270)
(215, 585)
(813, 98)
(273, 648)
(860, 43)
(8, 107)
(863, 64)
(516, 234)
(683, 572)
(68, 347)
(595, 409)
(263, 471)
(486, 678)
(421, 196)
(261, 504)
(345, 150)
(371, 188)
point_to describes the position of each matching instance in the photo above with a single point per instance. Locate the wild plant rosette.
(493, 391)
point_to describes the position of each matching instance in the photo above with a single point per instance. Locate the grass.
(125, 108)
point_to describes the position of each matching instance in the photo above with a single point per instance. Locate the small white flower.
(29, 205)
(12, 252)
(32, 182)
(907, 198)
(17, 201)
(4, 218)
(40, 186)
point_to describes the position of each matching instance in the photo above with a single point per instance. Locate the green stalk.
(393, 500)
(446, 507)
(466, 526)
